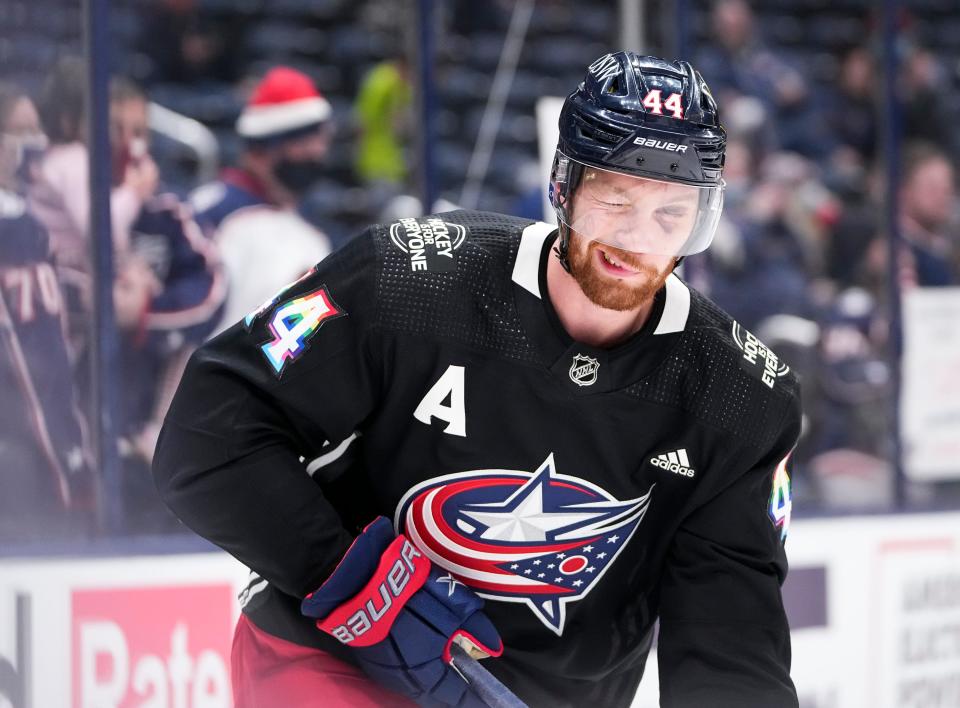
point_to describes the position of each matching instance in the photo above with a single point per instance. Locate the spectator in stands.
(158, 333)
(383, 115)
(168, 288)
(739, 64)
(847, 399)
(848, 245)
(771, 257)
(190, 286)
(184, 44)
(924, 87)
(44, 463)
(928, 211)
(65, 168)
(251, 211)
(851, 114)
(853, 110)
(61, 199)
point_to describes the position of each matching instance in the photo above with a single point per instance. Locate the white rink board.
(168, 618)
(930, 407)
(891, 635)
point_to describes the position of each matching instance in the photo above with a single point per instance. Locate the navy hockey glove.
(400, 616)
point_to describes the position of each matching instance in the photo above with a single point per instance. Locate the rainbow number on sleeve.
(294, 323)
(781, 503)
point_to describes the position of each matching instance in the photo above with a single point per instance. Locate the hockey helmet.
(641, 148)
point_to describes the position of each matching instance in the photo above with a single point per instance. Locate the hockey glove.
(400, 616)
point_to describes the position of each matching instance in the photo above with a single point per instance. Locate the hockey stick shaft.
(483, 683)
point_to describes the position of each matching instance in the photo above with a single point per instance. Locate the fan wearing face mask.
(44, 464)
(251, 210)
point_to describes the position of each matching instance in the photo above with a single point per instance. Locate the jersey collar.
(619, 365)
(529, 270)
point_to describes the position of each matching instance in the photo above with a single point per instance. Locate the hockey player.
(530, 440)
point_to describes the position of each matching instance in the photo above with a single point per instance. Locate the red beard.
(607, 291)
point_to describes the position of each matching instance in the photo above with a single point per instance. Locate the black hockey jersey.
(422, 373)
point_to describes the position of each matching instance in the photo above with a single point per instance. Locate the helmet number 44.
(654, 103)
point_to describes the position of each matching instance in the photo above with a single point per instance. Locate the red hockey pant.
(269, 672)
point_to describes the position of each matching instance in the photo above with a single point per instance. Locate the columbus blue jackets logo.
(543, 539)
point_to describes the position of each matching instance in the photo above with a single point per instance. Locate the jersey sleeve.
(193, 284)
(724, 639)
(260, 400)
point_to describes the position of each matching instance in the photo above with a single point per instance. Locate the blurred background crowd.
(249, 138)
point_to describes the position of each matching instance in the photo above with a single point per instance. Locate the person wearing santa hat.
(251, 210)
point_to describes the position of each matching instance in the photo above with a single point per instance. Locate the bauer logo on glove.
(401, 616)
(366, 618)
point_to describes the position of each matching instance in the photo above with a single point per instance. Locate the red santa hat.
(285, 102)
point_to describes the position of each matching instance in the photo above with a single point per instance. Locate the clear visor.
(636, 213)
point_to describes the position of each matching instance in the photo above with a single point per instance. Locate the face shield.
(634, 213)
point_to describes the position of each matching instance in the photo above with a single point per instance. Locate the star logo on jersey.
(583, 370)
(543, 539)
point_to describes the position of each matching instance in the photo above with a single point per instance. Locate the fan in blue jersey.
(533, 441)
(169, 295)
(44, 467)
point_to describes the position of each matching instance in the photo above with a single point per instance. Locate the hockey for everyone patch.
(429, 242)
(757, 359)
(540, 538)
(294, 323)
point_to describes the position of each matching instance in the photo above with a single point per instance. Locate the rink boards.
(874, 604)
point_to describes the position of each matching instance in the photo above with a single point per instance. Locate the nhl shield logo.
(583, 370)
(542, 539)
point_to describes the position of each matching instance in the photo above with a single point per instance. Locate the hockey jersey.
(187, 306)
(422, 373)
(263, 246)
(40, 411)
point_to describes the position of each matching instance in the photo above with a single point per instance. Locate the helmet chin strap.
(562, 249)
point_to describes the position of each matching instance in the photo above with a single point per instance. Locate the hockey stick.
(484, 684)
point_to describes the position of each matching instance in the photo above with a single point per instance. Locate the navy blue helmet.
(649, 118)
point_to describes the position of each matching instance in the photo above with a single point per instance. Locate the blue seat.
(463, 84)
(212, 103)
(357, 46)
(332, 11)
(834, 31)
(279, 39)
(29, 51)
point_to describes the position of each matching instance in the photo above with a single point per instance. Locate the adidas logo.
(676, 462)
